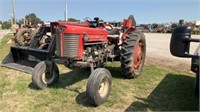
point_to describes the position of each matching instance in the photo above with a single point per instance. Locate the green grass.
(4, 47)
(157, 89)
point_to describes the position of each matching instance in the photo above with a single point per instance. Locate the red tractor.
(84, 45)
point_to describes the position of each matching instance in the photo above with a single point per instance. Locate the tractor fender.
(126, 33)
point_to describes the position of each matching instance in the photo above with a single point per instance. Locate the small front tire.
(99, 86)
(41, 76)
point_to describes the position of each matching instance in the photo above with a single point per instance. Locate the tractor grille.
(71, 43)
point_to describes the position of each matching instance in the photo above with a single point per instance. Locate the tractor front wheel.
(99, 86)
(42, 77)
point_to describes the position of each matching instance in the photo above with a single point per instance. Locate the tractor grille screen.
(71, 43)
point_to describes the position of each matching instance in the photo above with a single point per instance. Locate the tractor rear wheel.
(133, 53)
(24, 36)
(41, 76)
(99, 86)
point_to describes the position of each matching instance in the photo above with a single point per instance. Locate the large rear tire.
(99, 86)
(133, 53)
(41, 76)
(24, 36)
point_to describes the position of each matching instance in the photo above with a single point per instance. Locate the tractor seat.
(93, 25)
(113, 32)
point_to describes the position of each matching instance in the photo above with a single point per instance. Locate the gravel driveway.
(158, 52)
(3, 33)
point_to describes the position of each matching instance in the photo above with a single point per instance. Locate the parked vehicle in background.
(180, 46)
(24, 34)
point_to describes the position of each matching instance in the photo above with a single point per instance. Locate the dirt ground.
(3, 33)
(158, 52)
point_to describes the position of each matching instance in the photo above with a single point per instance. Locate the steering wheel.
(88, 19)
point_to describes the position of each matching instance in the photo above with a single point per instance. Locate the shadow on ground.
(76, 75)
(82, 98)
(69, 78)
(174, 93)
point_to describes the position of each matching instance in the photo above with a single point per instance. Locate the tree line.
(30, 19)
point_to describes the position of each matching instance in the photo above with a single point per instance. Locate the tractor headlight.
(62, 28)
(86, 38)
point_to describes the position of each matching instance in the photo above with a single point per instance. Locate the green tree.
(73, 20)
(6, 25)
(33, 19)
(0, 22)
(154, 25)
(101, 20)
(20, 22)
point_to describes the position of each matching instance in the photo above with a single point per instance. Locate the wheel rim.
(138, 57)
(103, 87)
(26, 37)
(47, 78)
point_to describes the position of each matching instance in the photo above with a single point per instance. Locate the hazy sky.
(144, 11)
